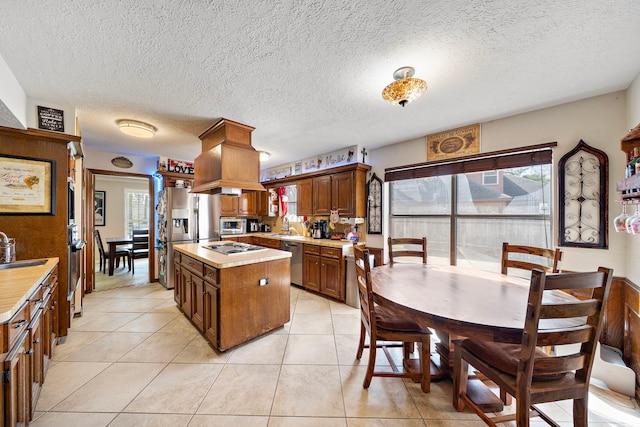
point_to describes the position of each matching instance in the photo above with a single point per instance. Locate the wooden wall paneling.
(632, 332)
(42, 236)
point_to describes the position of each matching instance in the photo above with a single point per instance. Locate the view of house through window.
(136, 208)
(466, 217)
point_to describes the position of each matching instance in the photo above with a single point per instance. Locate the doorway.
(113, 201)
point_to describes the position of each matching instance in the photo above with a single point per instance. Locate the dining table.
(458, 302)
(113, 243)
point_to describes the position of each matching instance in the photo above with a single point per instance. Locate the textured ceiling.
(308, 74)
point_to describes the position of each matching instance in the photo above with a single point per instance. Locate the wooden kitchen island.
(232, 299)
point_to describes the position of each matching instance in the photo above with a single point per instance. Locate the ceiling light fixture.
(405, 89)
(136, 128)
(264, 156)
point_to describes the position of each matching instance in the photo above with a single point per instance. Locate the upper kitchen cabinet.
(341, 188)
(243, 205)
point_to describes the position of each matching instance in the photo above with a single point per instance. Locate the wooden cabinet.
(211, 304)
(240, 239)
(242, 205)
(177, 279)
(267, 242)
(169, 179)
(237, 304)
(344, 191)
(193, 290)
(323, 271)
(311, 267)
(27, 341)
(305, 196)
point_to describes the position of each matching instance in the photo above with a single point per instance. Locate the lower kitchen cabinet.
(210, 296)
(27, 341)
(323, 271)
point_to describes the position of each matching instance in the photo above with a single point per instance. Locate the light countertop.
(218, 260)
(17, 284)
(296, 238)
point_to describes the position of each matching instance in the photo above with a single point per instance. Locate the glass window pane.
(480, 239)
(436, 230)
(519, 191)
(421, 196)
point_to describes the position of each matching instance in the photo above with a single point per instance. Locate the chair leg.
(363, 332)
(460, 378)
(580, 412)
(522, 411)
(505, 397)
(371, 365)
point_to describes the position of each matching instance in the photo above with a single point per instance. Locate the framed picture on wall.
(100, 207)
(27, 186)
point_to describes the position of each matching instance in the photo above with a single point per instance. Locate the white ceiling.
(308, 74)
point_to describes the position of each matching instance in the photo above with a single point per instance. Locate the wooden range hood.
(228, 165)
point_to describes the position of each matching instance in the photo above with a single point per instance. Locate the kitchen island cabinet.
(232, 299)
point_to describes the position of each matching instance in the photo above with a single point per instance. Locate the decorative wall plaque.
(50, 119)
(454, 143)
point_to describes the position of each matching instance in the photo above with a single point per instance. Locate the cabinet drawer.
(210, 274)
(312, 249)
(193, 265)
(177, 257)
(18, 324)
(35, 302)
(331, 252)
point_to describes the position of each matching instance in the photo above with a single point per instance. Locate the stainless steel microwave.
(230, 225)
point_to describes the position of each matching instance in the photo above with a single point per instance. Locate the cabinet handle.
(20, 323)
(29, 352)
(37, 301)
(36, 341)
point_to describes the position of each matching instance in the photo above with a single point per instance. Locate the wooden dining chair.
(524, 371)
(386, 329)
(524, 256)
(121, 254)
(407, 247)
(139, 247)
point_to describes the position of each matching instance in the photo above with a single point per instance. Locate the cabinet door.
(16, 380)
(185, 283)
(36, 359)
(342, 193)
(211, 313)
(228, 205)
(247, 204)
(322, 195)
(311, 272)
(305, 196)
(197, 304)
(330, 283)
(177, 284)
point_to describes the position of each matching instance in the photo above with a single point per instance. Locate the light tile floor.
(134, 359)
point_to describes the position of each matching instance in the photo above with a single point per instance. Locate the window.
(136, 210)
(490, 178)
(466, 219)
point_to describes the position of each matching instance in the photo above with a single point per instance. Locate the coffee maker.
(320, 229)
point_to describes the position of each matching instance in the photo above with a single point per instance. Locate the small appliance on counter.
(265, 228)
(252, 225)
(7, 249)
(231, 225)
(320, 229)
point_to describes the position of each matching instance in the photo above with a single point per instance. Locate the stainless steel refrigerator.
(183, 217)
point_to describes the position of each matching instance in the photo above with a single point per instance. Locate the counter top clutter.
(295, 238)
(18, 281)
(234, 297)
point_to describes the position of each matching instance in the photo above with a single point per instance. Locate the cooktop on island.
(235, 248)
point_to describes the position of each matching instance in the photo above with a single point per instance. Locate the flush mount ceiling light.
(136, 128)
(405, 89)
(264, 156)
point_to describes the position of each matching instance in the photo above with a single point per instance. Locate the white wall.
(600, 121)
(101, 160)
(13, 100)
(633, 242)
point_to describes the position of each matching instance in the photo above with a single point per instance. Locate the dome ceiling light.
(136, 128)
(405, 89)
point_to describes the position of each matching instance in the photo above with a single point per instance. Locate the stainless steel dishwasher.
(296, 260)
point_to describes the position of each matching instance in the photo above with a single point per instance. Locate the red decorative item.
(284, 205)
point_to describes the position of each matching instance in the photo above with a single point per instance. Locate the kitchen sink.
(26, 263)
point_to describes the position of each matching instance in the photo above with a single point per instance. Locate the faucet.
(5, 239)
(291, 229)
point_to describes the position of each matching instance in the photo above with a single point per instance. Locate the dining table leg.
(112, 257)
